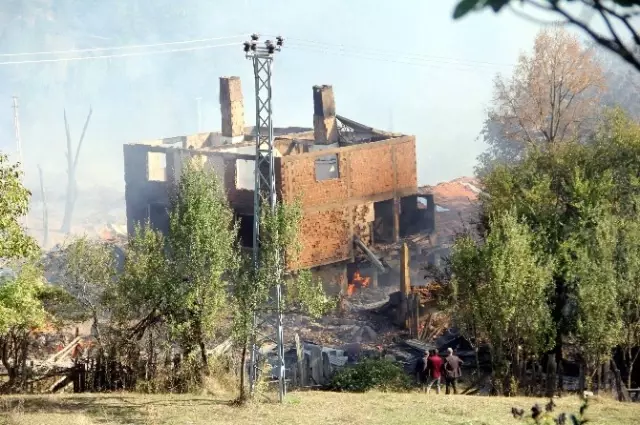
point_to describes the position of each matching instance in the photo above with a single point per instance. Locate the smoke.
(134, 98)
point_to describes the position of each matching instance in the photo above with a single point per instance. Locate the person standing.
(421, 370)
(452, 370)
(434, 368)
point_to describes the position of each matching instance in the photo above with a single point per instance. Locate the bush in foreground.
(371, 374)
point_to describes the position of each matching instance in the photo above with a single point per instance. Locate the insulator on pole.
(270, 47)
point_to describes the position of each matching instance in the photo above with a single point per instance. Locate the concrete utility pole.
(265, 193)
(16, 126)
(45, 210)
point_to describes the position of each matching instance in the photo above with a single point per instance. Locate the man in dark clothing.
(421, 370)
(452, 370)
(434, 367)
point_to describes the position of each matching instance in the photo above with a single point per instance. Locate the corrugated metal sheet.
(420, 345)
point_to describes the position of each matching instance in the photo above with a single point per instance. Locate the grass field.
(300, 408)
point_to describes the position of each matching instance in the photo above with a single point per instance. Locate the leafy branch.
(621, 15)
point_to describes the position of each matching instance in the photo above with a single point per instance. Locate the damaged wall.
(338, 186)
(151, 172)
(371, 171)
(333, 277)
(337, 209)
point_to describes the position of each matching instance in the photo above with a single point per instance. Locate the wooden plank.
(66, 350)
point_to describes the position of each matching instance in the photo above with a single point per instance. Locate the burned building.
(354, 182)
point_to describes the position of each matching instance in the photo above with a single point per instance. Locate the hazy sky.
(441, 95)
(404, 65)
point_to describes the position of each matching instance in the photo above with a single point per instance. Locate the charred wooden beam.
(372, 257)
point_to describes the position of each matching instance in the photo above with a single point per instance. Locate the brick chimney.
(231, 110)
(325, 129)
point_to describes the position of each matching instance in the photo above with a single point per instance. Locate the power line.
(123, 55)
(424, 63)
(388, 53)
(300, 44)
(133, 46)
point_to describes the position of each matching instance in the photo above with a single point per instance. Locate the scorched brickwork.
(338, 209)
(350, 178)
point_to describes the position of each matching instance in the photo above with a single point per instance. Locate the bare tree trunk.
(243, 364)
(606, 376)
(631, 360)
(623, 395)
(551, 376)
(72, 165)
(582, 378)
(203, 356)
(477, 355)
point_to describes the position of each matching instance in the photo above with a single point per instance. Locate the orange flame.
(106, 235)
(358, 279)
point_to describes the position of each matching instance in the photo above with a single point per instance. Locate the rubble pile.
(365, 324)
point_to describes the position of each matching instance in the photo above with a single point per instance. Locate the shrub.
(370, 374)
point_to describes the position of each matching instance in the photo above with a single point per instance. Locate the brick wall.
(323, 234)
(335, 209)
(299, 179)
(338, 209)
(372, 171)
(405, 156)
(366, 171)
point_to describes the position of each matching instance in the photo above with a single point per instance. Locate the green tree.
(628, 272)
(201, 249)
(181, 280)
(618, 16)
(188, 281)
(14, 204)
(141, 294)
(572, 198)
(21, 313)
(253, 287)
(140, 302)
(539, 189)
(501, 291)
(593, 275)
(90, 269)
